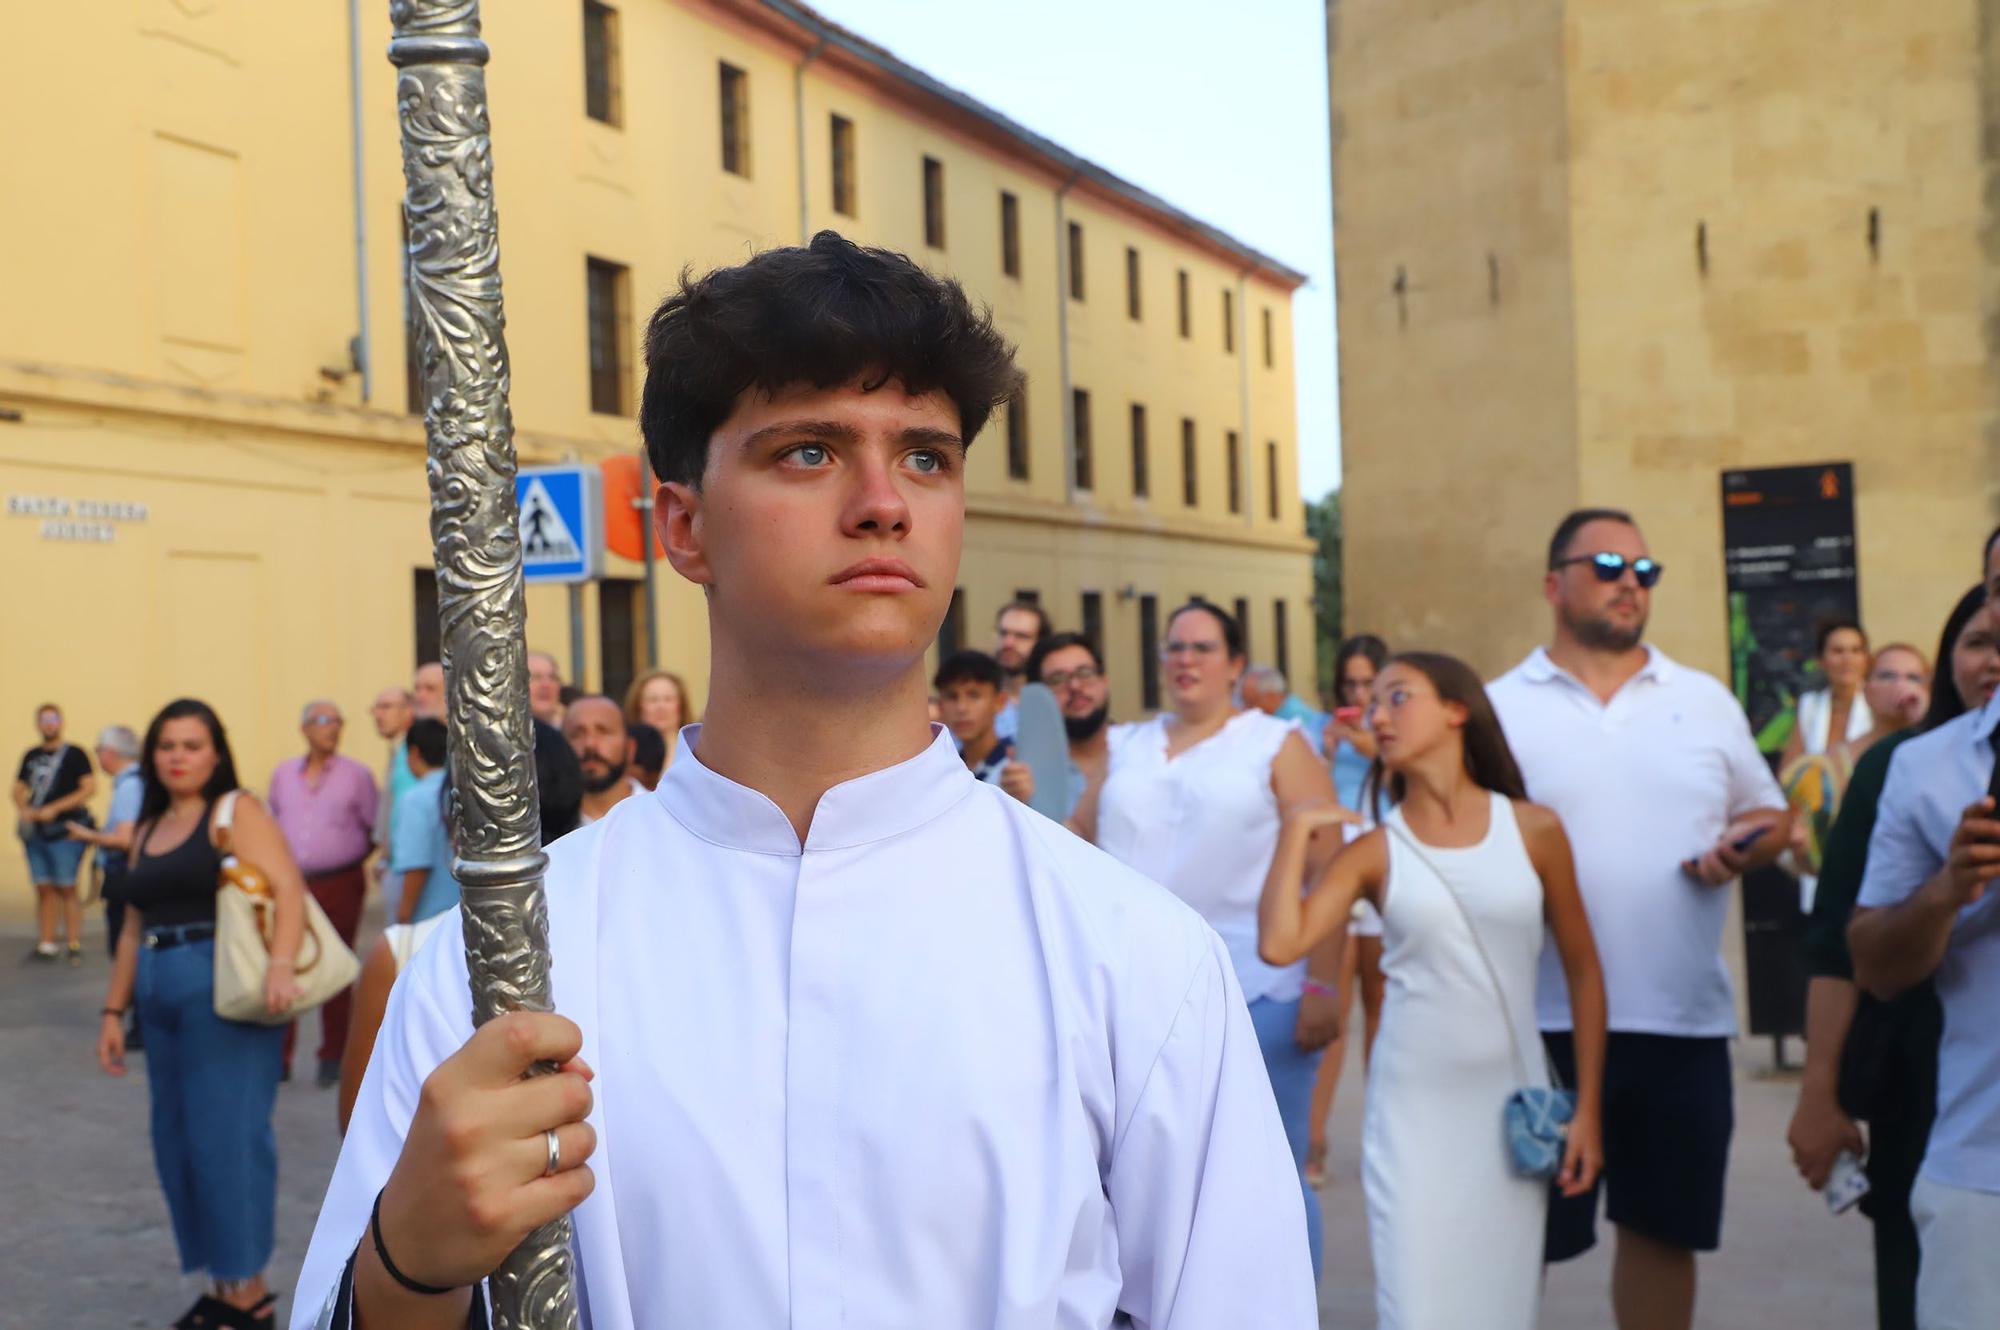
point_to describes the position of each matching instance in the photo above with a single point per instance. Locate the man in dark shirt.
(54, 783)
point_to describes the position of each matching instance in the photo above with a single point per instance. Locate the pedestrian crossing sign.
(561, 516)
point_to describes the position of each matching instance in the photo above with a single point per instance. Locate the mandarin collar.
(868, 808)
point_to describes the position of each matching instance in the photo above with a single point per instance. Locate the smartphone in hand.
(1741, 845)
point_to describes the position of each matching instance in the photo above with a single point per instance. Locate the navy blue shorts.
(1669, 1110)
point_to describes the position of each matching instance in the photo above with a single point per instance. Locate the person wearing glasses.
(1194, 799)
(326, 805)
(1652, 768)
(1068, 665)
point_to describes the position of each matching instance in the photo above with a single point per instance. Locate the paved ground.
(84, 1239)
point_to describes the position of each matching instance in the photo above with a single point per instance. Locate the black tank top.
(177, 887)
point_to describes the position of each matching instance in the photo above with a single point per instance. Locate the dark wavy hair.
(1946, 704)
(823, 314)
(1365, 645)
(1232, 631)
(154, 798)
(1488, 759)
(1055, 642)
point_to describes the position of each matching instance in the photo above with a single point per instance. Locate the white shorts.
(1958, 1281)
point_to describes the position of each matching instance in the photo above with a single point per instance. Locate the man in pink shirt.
(326, 804)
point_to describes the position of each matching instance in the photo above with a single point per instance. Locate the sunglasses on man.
(1610, 567)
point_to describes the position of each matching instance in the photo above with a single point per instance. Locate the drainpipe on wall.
(799, 109)
(1247, 451)
(358, 348)
(1062, 341)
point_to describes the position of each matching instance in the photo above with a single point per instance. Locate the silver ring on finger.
(555, 1152)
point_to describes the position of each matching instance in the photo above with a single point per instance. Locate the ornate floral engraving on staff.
(454, 277)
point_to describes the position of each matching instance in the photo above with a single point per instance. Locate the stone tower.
(1596, 252)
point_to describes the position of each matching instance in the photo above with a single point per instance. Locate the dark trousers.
(1897, 1139)
(340, 893)
(111, 890)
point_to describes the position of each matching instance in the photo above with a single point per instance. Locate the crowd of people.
(894, 1048)
(327, 825)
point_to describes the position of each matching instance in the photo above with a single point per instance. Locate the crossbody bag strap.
(1492, 971)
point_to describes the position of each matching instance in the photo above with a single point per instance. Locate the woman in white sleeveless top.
(1191, 799)
(1466, 874)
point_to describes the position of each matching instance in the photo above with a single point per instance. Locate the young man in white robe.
(848, 1038)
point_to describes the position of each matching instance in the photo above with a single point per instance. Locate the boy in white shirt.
(874, 1045)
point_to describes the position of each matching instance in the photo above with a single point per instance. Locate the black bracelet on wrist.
(114, 1011)
(375, 1231)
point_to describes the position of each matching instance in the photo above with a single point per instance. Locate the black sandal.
(212, 1313)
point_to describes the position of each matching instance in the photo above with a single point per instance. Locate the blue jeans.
(54, 863)
(1292, 1071)
(213, 1084)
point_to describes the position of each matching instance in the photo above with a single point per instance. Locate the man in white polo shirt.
(1927, 906)
(1661, 788)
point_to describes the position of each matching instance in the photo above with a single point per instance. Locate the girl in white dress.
(1456, 1234)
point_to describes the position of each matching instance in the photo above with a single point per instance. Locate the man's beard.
(1081, 728)
(599, 784)
(1601, 634)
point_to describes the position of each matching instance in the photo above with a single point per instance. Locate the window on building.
(1142, 479)
(1017, 434)
(1271, 479)
(1149, 652)
(606, 300)
(1228, 319)
(1027, 595)
(1075, 261)
(424, 604)
(1270, 357)
(1190, 469)
(600, 62)
(933, 203)
(1079, 400)
(951, 633)
(735, 119)
(413, 356)
(843, 166)
(1093, 619)
(1281, 654)
(1233, 461)
(1186, 313)
(1131, 283)
(621, 620)
(1243, 622)
(1010, 234)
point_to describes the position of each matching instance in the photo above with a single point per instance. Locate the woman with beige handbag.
(212, 1081)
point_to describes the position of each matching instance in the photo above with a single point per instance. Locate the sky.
(1219, 109)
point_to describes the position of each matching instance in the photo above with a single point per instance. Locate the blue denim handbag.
(1535, 1119)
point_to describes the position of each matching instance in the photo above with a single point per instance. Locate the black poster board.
(1789, 554)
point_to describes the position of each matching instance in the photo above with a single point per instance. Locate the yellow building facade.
(214, 482)
(1592, 252)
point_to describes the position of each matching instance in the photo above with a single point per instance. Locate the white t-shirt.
(1641, 783)
(1931, 780)
(1203, 825)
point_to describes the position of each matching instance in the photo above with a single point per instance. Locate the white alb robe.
(947, 1066)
